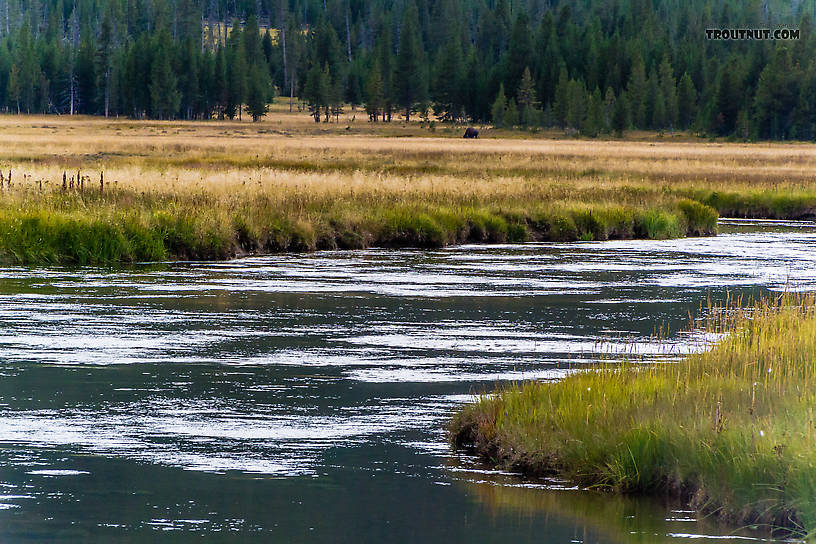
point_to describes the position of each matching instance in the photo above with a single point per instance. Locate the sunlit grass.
(218, 189)
(731, 429)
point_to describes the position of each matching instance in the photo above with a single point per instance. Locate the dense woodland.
(589, 66)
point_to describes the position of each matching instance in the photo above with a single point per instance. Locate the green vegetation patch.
(730, 430)
(765, 204)
(123, 226)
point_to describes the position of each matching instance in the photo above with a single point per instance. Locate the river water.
(303, 398)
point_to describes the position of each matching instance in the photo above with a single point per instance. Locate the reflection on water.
(303, 397)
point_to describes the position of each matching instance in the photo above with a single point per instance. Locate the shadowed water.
(302, 398)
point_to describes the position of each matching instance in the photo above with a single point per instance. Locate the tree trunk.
(107, 93)
(348, 31)
(283, 43)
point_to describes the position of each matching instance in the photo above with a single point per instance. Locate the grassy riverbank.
(186, 190)
(126, 226)
(731, 430)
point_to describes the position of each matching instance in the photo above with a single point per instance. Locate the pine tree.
(477, 105)
(374, 93)
(608, 110)
(777, 96)
(686, 102)
(576, 105)
(104, 63)
(511, 114)
(561, 101)
(519, 53)
(659, 114)
(189, 79)
(257, 97)
(650, 104)
(219, 83)
(355, 83)
(594, 116)
(251, 37)
(449, 83)
(668, 88)
(385, 62)
(410, 69)
(497, 111)
(637, 91)
(236, 73)
(620, 118)
(526, 98)
(727, 100)
(316, 91)
(14, 87)
(164, 95)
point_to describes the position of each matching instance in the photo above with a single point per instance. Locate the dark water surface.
(303, 398)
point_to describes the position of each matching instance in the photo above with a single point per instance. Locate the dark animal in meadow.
(471, 132)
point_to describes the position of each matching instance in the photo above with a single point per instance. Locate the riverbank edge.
(80, 231)
(466, 437)
(480, 427)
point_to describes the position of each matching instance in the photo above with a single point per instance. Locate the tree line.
(588, 66)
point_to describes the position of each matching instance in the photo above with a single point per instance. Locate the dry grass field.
(216, 189)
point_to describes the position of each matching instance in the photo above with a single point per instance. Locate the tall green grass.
(760, 204)
(731, 430)
(128, 226)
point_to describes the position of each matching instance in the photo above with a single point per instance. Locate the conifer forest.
(591, 67)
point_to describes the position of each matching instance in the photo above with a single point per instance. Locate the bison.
(471, 132)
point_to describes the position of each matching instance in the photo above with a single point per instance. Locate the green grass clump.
(50, 238)
(731, 430)
(761, 204)
(120, 225)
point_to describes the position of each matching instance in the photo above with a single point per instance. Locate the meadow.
(730, 430)
(91, 190)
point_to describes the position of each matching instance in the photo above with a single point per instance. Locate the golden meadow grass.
(219, 189)
(731, 429)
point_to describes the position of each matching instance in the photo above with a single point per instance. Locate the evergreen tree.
(576, 105)
(449, 83)
(219, 83)
(164, 95)
(189, 85)
(561, 102)
(355, 82)
(410, 69)
(609, 102)
(497, 111)
(668, 89)
(620, 118)
(511, 114)
(637, 93)
(477, 106)
(317, 91)
(519, 53)
(108, 58)
(526, 99)
(374, 93)
(104, 64)
(236, 68)
(727, 100)
(385, 62)
(594, 117)
(659, 115)
(686, 102)
(777, 96)
(257, 97)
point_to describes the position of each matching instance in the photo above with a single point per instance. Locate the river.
(303, 398)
